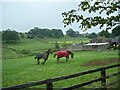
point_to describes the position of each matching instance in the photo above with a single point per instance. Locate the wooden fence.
(49, 82)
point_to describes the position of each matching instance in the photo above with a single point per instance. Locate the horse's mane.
(49, 50)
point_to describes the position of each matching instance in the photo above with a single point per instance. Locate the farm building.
(100, 40)
(96, 46)
(88, 46)
(116, 40)
(74, 47)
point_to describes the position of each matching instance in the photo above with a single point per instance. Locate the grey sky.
(23, 16)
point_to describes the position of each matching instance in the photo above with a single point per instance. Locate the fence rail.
(49, 82)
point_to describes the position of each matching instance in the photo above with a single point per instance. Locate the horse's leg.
(44, 62)
(58, 59)
(38, 62)
(67, 58)
(55, 55)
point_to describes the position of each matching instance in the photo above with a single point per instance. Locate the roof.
(90, 44)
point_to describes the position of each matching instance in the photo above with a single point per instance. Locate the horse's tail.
(55, 55)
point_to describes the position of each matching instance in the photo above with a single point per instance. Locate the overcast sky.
(25, 15)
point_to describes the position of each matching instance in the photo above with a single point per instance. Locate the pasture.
(23, 68)
(31, 46)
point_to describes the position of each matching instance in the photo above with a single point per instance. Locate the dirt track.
(100, 62)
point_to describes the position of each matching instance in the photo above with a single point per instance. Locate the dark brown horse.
(63, 53)
(44, 56)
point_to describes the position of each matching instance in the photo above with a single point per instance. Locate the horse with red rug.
(63, 53)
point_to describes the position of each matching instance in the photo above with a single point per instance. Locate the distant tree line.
(104, 33)
(41, 33)
(72, 33)
(9, 35)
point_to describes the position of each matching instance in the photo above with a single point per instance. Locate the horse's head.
(50, 51)
(70, 53)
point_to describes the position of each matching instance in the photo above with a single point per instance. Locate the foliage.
(22, 35)
(10, 36)
(41, 33)
(116, 31)
(57, 47)
(72, 33)
(93, 35)
(104, 33)
(36, 32)
(25, 51)
(57, 33)
(102, 7)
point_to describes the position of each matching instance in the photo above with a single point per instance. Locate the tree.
(22, 35)
(116, 31)
(41, 33)
(107, 7)
(47, 32)
(77, 33)
(93, 35)
(57, 47)
(104, 33)
(57, 33)
(71, 33)
(10, 36)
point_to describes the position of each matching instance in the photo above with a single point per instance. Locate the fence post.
(103, 81)
(49, 85)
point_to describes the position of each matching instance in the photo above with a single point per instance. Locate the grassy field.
(23, 69)
(14, 50)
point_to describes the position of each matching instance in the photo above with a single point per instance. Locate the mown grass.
(19, 68)
(38, 44)
(23, 70)
(30, 44)
(35, 45)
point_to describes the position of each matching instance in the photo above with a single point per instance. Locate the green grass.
(30, 44)
(19, 68)
(35, 45)
(24, 70)
(38, 44)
